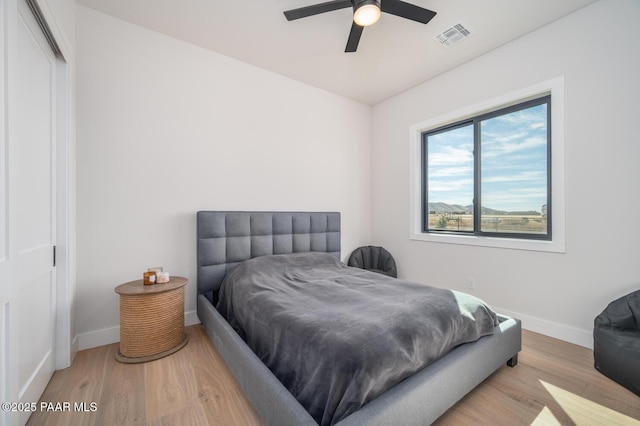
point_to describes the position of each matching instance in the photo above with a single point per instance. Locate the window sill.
(495, 242)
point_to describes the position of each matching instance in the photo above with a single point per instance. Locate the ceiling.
(394, 55)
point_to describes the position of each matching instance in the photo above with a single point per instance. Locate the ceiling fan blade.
(407, 10)
(316, 9)
(354, 38)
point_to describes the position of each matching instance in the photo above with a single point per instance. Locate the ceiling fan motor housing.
(359, 3)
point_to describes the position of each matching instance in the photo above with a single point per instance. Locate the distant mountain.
(487, 210)
(440, 208)
(444, 208)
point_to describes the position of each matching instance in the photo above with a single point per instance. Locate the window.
(469, 184)
(490, 174)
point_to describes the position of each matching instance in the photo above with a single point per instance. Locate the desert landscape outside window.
(490, 175)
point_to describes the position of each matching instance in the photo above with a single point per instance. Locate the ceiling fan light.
(366, 14)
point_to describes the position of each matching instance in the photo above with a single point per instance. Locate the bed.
(228, 239)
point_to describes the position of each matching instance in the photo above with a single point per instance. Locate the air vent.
(453, 35)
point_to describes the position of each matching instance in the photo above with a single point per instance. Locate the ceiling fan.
(365, 13)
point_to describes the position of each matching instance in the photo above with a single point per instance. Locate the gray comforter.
(338, 336)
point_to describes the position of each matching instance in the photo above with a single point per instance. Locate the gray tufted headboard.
(226, 238)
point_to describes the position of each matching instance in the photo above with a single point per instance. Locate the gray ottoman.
(616, 341)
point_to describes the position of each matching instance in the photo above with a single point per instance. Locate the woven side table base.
(128, 360)
(151, 320)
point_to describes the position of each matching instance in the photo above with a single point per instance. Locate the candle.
(149, 278)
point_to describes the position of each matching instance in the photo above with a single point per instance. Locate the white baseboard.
(552, 329)
(191, 318)
(93, 339)
(107, 336)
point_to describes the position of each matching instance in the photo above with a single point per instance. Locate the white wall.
(166, 129)
(597, 50)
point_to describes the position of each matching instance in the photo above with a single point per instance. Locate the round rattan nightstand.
(151, 320)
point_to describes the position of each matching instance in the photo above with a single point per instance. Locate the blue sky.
(514, 162)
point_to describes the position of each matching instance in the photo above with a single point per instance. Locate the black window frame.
(477, 147)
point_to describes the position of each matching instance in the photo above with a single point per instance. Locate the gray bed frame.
(226, 238)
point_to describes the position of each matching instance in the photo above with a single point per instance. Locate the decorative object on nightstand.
(151, 320)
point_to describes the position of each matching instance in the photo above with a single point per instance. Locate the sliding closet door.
(27, 211)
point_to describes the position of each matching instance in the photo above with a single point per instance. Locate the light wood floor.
(554, 383)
